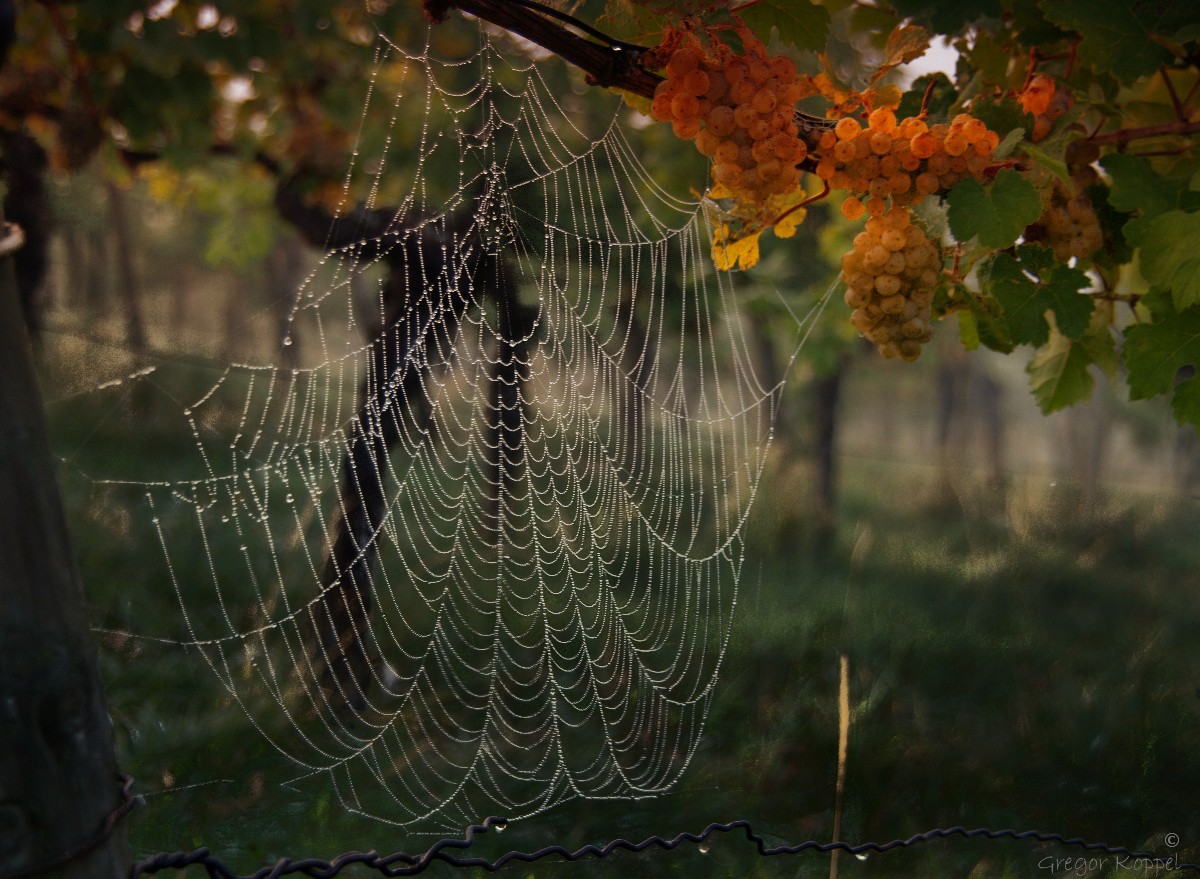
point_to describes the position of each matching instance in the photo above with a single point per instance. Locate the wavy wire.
(401, 864)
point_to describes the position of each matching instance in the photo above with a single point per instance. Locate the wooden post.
(60, 797)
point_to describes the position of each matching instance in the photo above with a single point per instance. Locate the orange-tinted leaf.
(905, 43)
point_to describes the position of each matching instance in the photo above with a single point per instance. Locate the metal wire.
(401, 864)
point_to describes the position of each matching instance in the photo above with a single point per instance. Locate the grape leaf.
(1030, 287)
(740, 252)
(989, 54)
(801, 23)
(1117, 35)
(1054, 164)
(1137, 187)
(1169, 256)
(906, 42)
(947, 16)
(968, 330)
(986, 325)
(629, 20)
(1058, 373)
(1185, 403)
(1155, 352)
(998, 214)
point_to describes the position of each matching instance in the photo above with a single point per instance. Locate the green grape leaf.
(801, 23)
(1186, 402)
(988, 325)
(1169, 256)
(1058, 373)
(1030, 287)
(1116, 251)
(968, 330)
(1155, 352)
(1117, 35)
(1138, 187)
(1028, 20)
(947, 16)
(997, 214)
(989, 54)
(1054, 164)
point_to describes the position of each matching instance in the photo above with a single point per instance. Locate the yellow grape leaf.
(786, 227)
(720, 190)
(905, 43)
(742, 253)
(634, 102)
(843, 100)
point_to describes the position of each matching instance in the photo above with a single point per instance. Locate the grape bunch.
(1069, 224)
(740, 111)
(890, 276)
(900, 163)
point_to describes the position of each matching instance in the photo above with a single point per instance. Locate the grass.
(1017, 659)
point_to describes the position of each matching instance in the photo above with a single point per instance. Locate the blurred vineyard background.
(1015, 594)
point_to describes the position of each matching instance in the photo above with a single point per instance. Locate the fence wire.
(449, 850)
(446, 850)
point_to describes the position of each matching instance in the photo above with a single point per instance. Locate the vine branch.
(614, 66)
(1126, 135)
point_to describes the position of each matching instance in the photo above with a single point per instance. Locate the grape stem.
(812, 198)
(1180, 109)
(1033, 60)
(925, 98)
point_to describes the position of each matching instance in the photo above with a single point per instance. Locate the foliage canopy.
(1078, 241)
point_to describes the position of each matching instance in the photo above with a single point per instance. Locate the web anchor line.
(444, 850)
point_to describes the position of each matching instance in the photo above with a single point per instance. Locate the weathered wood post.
(61, 800)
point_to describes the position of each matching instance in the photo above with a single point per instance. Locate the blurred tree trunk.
(1187, 461)
(27, 203)
(285, 272)
(58, 770)
(235, 332)
(96, 282)
(990, 397)
(1085, 432)
(182, 285)
(770, 375)
(75, 276)
(827, 393)
(969, 407)
(131, 291)
(953, 377)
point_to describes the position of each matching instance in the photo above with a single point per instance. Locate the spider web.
(481, 554)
